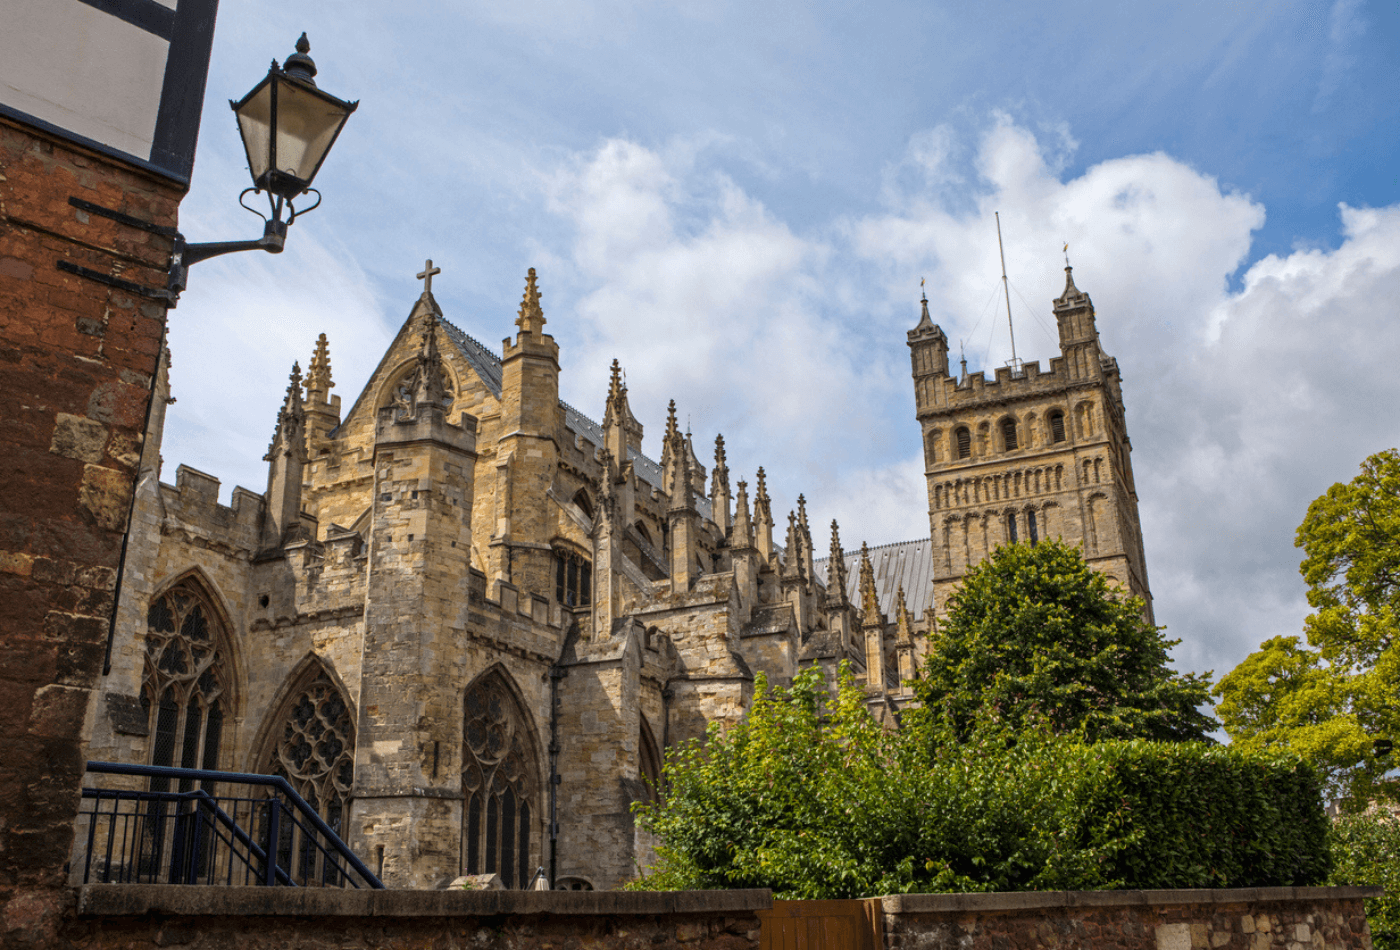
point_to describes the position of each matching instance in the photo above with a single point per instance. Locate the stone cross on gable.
(427, 275)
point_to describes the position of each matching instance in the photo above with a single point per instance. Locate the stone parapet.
(118, 915)
(1265, 918)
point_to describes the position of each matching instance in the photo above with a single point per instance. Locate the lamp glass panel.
(306, 126)
(255, 125)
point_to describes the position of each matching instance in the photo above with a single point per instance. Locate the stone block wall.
(134, 917)
(1274, 918)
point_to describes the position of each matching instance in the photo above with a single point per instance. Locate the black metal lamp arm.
(183, 255)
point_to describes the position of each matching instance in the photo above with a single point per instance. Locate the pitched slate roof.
(906, 562)
(488, 366)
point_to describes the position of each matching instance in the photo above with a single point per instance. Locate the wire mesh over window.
(183, 695)
(500, 785)
(315, 752)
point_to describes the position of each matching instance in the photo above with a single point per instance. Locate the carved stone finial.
(318, 372)
(288, 438)
(869, 599)
(904, 628)
(743, 530)
(835, 570)
(792, 564)
(531, 318)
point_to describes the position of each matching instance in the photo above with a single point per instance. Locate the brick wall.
(76, 362)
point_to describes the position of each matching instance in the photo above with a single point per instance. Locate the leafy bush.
(813, 799)
(1366, 850)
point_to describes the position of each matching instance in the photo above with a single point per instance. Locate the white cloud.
(1243, 406)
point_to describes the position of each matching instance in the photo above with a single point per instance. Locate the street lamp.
(288, 127)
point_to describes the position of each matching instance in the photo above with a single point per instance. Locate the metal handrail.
(299, 804)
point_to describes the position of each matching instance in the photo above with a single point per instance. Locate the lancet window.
(313, 748)
(573, 579)
(1057, 426)
(500, 785)
(964, 442)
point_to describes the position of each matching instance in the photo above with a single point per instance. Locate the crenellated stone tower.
(1029, 454)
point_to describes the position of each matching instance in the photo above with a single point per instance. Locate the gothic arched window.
(183, 690)
(499, 782)
(184, 694)
(313, 748)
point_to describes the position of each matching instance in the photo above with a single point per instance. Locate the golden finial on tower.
(531, 318)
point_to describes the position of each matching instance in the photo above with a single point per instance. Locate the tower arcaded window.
(1008, 434)
(964, 440)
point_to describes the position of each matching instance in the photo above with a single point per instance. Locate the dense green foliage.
(812, 798)
(1366, 850)
(1035, 634)
(1331, 699)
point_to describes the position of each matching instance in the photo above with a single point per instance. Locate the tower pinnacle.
(531, 318)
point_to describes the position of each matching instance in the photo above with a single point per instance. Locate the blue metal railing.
(268, 835)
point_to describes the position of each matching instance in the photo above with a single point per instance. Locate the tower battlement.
(1028, 454)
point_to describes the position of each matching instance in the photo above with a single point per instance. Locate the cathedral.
(466, 621)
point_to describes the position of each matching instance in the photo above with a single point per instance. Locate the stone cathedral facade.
(466, 621)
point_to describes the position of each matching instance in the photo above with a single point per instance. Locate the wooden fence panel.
(822, 925)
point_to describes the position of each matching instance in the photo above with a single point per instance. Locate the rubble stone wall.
(1274, 918)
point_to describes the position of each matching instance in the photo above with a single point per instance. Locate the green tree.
(1366, 850)
(810, 797)
(1331, 699)
(1035, 634)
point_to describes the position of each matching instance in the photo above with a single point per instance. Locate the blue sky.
(738, 200)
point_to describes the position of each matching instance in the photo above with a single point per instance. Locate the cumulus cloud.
(708, 299)
(1243, 404)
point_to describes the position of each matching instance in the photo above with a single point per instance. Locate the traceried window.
(498, 780)
(573, 579)
(1057, 426)
(964, 442)
(183, 694)
(314, 750)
